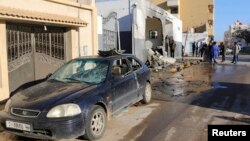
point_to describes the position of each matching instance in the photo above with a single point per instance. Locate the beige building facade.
(38, 36)
(196, 15)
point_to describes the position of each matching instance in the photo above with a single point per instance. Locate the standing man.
(206, 54)
(193, 48)
(167, 44)
(172, 47)
(236, 50)
(202, 49)
(214, 52)
(223, 52)
(196, 49)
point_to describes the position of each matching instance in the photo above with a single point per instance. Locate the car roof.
(106, 58)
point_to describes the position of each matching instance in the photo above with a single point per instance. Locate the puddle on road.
(217, 85)
(189, 81)
(198, 80)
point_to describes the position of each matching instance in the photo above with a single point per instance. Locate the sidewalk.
(228, 62)
(244, 60)
(192, 58)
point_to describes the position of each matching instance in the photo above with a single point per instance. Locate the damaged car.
(78, 98)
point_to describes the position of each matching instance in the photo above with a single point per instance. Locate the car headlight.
(65, 110)
(7, 106)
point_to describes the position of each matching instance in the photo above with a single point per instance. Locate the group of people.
(214, 51)
(211, 51)
(198, 50)
(170, 46)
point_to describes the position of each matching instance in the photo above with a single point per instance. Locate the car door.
(123, 84)
(140, 74)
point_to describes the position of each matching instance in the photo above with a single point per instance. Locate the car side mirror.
(48, 75)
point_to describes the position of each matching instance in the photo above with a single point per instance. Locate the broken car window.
(79, 71)
(135, 64)
(121, 67)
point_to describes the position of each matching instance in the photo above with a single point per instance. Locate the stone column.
(72, 49)
(4, 77)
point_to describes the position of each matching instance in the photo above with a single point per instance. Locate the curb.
(182, 65)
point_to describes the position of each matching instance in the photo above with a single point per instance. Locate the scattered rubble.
(157, 61)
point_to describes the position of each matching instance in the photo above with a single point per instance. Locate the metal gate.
(110, 32)
(33, 52)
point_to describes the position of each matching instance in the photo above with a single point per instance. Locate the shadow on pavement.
(242, 120)
(229, 97)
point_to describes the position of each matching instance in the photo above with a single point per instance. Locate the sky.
(229, 11)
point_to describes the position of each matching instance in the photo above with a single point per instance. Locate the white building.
(142, 25)
(190, 37)
(229, 37)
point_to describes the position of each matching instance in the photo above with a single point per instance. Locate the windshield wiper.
(73, 79)
(54, 80)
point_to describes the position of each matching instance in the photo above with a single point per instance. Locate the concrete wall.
(195, 13)
(100, 32)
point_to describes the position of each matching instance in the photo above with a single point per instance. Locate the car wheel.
(147, 94)
(96, 123)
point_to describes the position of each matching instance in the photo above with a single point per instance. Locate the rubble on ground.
(157, 61)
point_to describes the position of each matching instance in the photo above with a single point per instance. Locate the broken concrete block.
(173, 70)
(151, 52)
(167, 59)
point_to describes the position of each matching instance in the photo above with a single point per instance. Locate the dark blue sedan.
(78, 98)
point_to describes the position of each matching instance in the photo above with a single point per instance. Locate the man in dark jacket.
(223, 52)
(172, 47)
(193, 48)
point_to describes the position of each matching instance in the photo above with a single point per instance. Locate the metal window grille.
(20, 41)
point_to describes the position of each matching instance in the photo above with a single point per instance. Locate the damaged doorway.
(153, 33)
(33, 52)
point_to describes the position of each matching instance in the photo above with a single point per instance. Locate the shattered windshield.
(82, 71)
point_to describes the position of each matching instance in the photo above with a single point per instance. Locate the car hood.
(48, 94)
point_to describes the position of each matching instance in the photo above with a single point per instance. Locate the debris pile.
(157, 61)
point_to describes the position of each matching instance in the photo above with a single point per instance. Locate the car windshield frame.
(91, 71)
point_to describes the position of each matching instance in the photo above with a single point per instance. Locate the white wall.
(121, 7)
(189, 38)
(177, 30)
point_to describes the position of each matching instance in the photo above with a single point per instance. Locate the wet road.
(211, 94)
(184, 104)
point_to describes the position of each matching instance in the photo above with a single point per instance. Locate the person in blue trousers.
(214, 52)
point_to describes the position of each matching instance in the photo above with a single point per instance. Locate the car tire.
(96, 123)
(147, 94)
